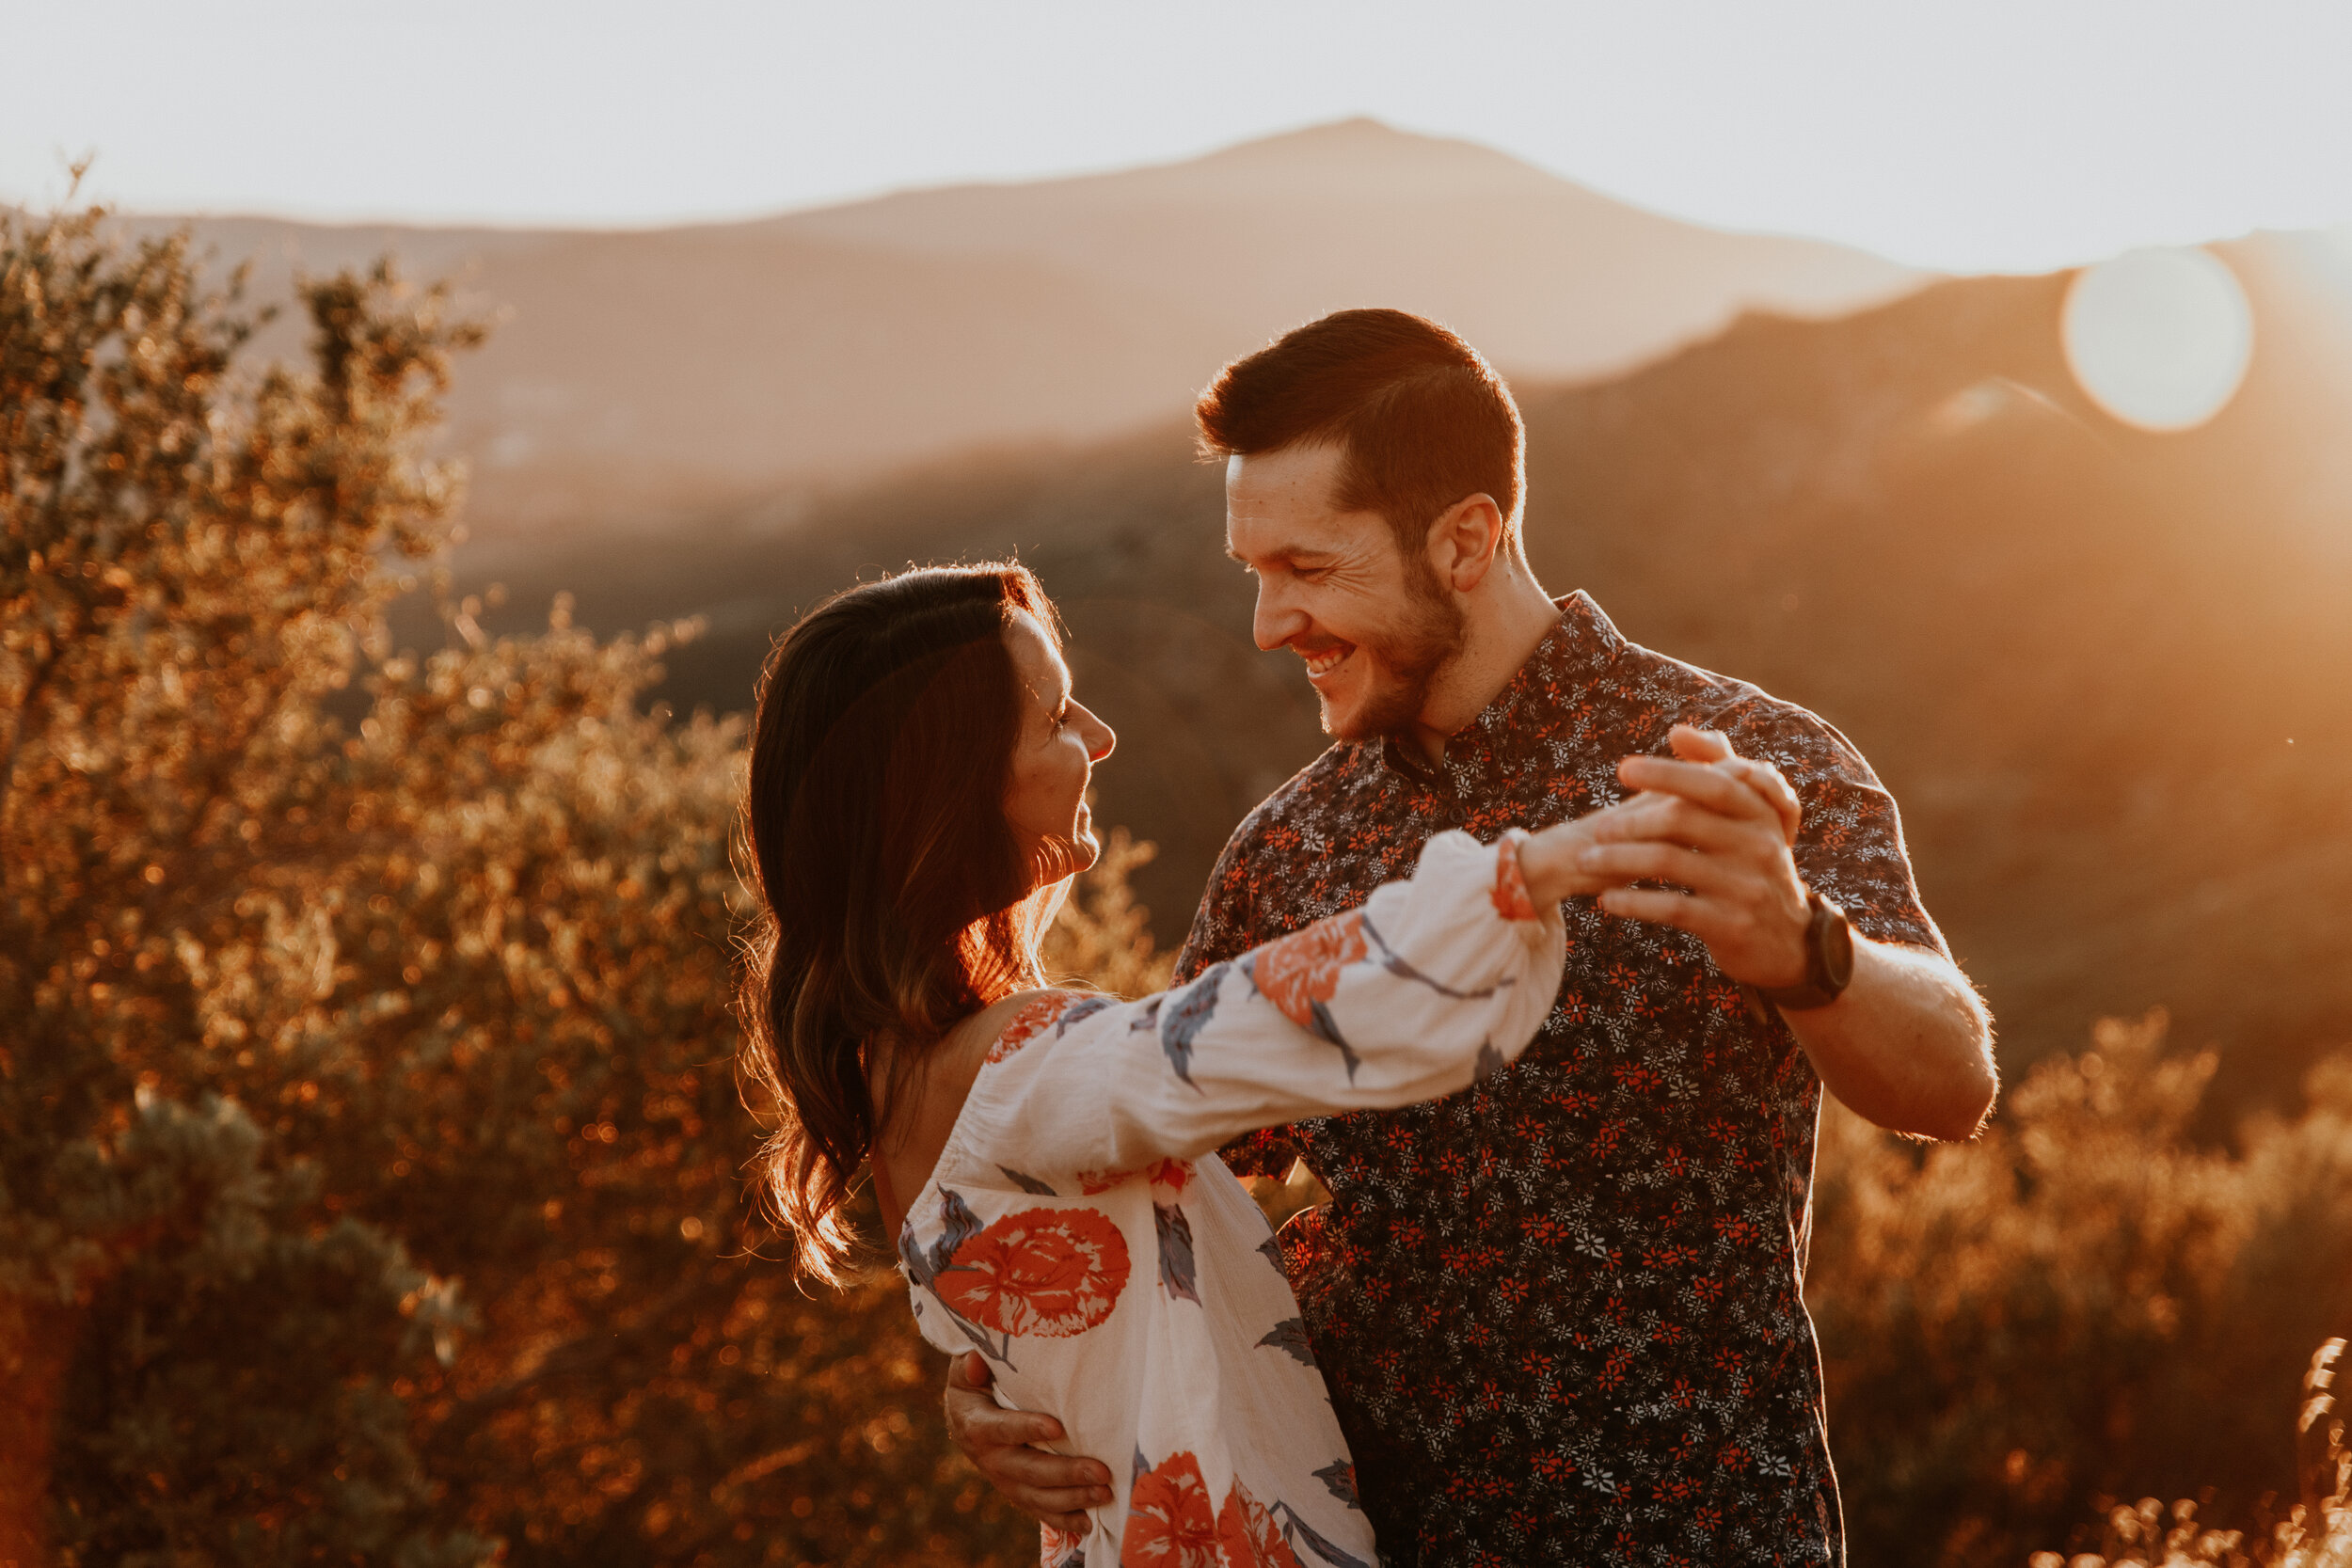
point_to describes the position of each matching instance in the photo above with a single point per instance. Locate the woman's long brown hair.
(890, 885)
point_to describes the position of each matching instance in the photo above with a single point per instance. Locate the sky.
(1989, 135)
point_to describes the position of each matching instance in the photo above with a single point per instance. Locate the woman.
(1044, 1157)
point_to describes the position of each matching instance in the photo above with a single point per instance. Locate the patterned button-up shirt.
(1560, 1313)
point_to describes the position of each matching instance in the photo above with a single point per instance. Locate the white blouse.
(1080, 1231)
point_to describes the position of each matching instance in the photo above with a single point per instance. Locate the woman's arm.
(1433, 983)
(1252, 1070)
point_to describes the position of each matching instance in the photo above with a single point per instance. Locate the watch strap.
(1819, 987)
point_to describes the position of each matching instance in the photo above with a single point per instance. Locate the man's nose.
(1274, 622)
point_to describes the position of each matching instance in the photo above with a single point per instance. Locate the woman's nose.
(1100, 739)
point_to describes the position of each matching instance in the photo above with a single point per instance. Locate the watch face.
(1833, 943)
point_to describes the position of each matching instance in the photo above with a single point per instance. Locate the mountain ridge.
(634, 373)
(2100, 669)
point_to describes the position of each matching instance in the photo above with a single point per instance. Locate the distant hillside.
(635, 375)
(1550, 279)
(2105, 674)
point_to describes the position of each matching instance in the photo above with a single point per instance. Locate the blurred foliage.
(2315, 1533)
(1100, 936)
(369, 1139)
(2083, 1305)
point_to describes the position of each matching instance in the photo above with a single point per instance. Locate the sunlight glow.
(2159, 338)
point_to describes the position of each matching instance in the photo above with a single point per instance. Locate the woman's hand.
(1548, 860)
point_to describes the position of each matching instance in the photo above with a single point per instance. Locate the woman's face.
(1045, 792)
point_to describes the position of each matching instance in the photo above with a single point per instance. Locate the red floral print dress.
(1080, 1231)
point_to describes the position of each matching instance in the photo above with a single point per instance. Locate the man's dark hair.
(1423, 419)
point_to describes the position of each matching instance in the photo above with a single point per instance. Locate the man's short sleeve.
(1850, 846)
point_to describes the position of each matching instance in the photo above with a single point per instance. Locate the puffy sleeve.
(1433, 983)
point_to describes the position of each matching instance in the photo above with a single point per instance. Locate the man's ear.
(1465, 540)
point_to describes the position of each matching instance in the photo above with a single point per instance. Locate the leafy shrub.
(2085, 1303)
(2317, 1532)
(369, 1141)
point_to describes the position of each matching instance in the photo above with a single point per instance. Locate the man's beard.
(1410, 657)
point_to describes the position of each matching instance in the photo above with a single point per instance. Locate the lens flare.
(2159, 338)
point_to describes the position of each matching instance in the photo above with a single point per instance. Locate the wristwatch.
(1828, 959)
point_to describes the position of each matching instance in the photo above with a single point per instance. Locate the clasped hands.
(1707, 821)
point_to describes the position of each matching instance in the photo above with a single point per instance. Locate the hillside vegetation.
(370, 1146)
(2102, 672)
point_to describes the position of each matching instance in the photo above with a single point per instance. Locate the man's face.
(1372, 626)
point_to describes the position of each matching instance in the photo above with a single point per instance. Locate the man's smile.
(1321, 661)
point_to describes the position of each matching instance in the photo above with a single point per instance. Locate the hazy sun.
(2159, 338)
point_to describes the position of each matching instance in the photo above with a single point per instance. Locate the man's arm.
(1908, 1044)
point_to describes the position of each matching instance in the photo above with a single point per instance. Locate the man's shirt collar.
(1578, 651)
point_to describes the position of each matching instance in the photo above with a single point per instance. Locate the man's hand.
(1054, 1488)
(1720, 825)
(1908, 1044)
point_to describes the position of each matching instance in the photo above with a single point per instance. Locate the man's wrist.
(1828, 959)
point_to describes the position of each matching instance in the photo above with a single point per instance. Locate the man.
(1559, 1314)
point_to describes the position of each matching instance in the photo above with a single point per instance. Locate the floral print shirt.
(1561, 1313)
(1081, 1232)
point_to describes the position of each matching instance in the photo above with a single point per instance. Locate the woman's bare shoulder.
(931, 1093)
